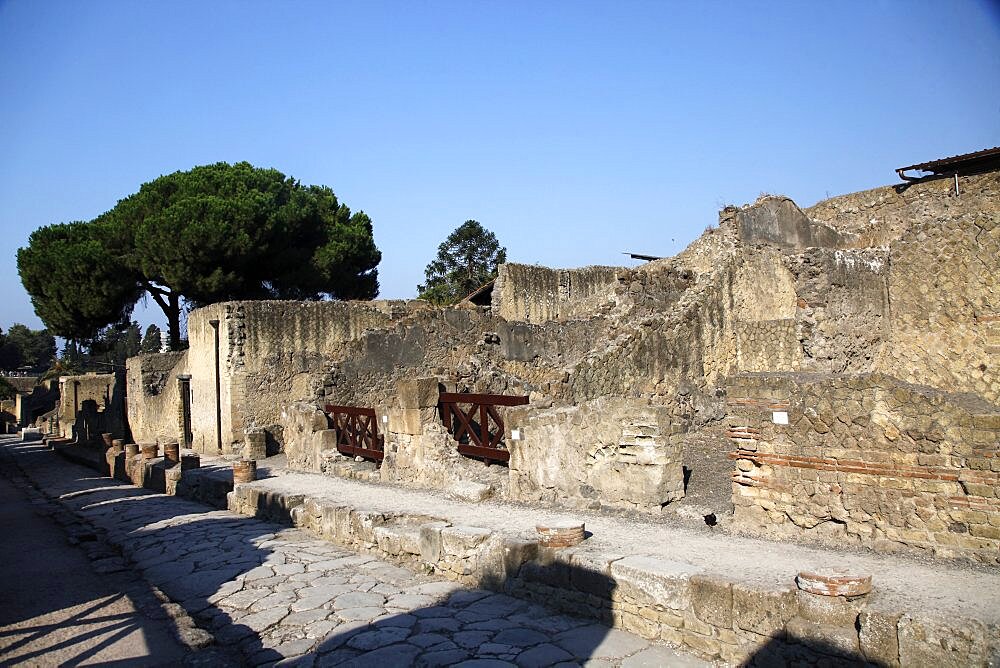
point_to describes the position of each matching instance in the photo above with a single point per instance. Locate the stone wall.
(866, 459)
(616, 453)
(270, 354)
(880, 216)
(773, 289)
(842, 307)
(105, 391)
(777, 221)
(944, 291)
(525, 293)
(155, 410)
(419, 451)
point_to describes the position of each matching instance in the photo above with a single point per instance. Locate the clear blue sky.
(573, 130)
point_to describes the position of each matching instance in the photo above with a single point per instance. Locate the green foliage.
(22, 346)
(10, 354)
(467, 259)
(7, 391)
(115, 344)
(210, 234)
(76, 284)
(151, 340)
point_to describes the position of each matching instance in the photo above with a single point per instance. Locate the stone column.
(255, 444)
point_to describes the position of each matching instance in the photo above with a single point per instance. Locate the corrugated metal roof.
(952, 163)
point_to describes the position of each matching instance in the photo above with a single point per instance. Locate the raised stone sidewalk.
(726, 597)
(284, 595)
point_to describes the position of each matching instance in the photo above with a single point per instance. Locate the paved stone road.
(281, 594)
(54, 608)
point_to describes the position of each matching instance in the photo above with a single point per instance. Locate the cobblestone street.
(282, 595)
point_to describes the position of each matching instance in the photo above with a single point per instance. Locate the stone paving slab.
(282, 595)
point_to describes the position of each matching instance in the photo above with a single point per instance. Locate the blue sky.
(573, 130)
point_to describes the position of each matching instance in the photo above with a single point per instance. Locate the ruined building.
(828, 373)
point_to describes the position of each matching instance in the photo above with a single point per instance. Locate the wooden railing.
(480, 429)
(357, 431)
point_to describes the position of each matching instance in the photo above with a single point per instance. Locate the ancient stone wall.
(866, 459)
(609, 452)
(880, 216)
(944, 291)
(772, 289)
(270, 353)
(525, 293)
(842, 307)
(99, 388)
(155, 409)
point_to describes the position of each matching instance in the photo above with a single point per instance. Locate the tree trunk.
(170, 304)
(174, 320)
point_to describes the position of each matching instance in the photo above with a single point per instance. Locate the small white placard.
(515, 434)
(385, 418)
(779, 417)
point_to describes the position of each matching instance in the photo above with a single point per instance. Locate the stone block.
(430, 541)
(410, 420)
(763, 611)
(652, 581)
(388, 540)
(831, 610)
(840, 640)
(363, 524)
(703, 644)
(712, 599)
(502, 557)
(417, 393)
(878, 637)
(590, 573)
(468, 490)
(409, 539)
(459, 540)
(947, 643)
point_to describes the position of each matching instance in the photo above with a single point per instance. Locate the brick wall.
(867, 459)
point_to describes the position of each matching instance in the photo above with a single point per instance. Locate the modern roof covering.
(967, 163)
(639, 256)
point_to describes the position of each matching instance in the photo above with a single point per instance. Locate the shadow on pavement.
(278, 593)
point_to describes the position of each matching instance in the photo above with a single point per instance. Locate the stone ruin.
(822, 374)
